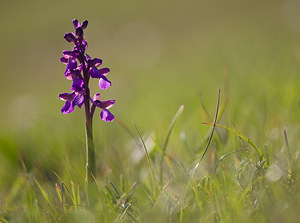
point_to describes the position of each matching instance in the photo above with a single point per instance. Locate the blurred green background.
(161, 54)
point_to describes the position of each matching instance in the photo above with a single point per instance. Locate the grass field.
(168, 60)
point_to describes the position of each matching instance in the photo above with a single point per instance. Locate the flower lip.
(72, 63)
(78, 100)
(107, 116)
(67, 108)
(77, 85)
(104, 83)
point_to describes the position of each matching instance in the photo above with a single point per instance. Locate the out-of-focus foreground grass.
(162, 54)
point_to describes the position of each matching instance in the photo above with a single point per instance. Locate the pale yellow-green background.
(161, 54)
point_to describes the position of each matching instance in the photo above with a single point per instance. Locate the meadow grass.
(163, 178)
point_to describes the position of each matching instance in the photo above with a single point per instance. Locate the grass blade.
(52, 209)
(148, 159)
(175, 118)
(287, 144)
(211, 135)
(177, 115)
(73, 196)
(227, 154)
(122, 215)
(242, 137)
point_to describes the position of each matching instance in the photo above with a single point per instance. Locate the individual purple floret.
(101, 73)
(104, 105)
(98, 73)
(74, 98)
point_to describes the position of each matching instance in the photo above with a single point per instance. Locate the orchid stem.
(90, 149)
(90, 152)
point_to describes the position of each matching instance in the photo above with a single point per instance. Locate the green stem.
(90, 150)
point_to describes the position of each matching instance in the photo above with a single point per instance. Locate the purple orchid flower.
(79, 68)
(75, 98)
(105, 114)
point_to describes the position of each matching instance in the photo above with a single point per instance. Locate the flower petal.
(69, 54)
(88, 57)
(104, 104)
(97, 97)
(67, 108)
(107, 116)
(67, 96)
(96, 62)
(68, 74)
(104, 71)
(72, 64)
(70, 37)
(71, 74)
(84, 24)
(94, 72)
(78, 100)
(75, 23)
(77, 85)
(104, 83)
(64, 60)
(107, 104)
